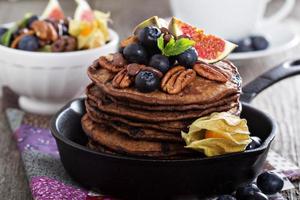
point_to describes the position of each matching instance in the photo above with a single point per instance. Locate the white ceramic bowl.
(46, 81)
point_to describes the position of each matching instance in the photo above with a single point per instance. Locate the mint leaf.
(23, 23)
(179, 47)
(169, 46)
(183, 44)
(6, 37)
(173, 47)
(161, 43)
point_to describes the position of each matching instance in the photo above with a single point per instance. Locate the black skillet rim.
(68, 142)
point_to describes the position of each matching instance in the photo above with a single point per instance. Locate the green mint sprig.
(174, 47)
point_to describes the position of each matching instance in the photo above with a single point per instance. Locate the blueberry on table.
(259, 43)
(135, 53)
(160, 62)
(226, 197)
(244, 45)
(28, 43)
(270, 182)
(246, 192)
(187, 58)
(255, 143)
(148, 36)
(146, 81)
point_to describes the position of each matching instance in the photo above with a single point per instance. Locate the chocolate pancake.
(158, 116)
(141, 133)
(201, 91)
(99, 148)
(95, 93)
(123, 144)
(171, 126)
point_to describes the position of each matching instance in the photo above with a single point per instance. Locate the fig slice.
(53, 11)
(210, 48)
(152, 21)
(83, 11)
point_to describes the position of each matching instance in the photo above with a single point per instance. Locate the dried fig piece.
(64, 44)
(58, 45)
(71, 43)
(176, 79)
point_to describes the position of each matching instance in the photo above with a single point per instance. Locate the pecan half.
(176, 79)
(113, 62)
(125, 77)
(210, 72)
(44, 30)
(41, 29)
(128, 41)
(122, 79)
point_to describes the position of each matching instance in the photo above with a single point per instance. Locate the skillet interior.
(138, 178)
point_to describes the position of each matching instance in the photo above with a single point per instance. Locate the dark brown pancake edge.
(124, 145)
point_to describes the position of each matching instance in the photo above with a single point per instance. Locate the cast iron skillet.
(141, 178)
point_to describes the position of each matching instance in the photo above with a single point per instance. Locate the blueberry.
(245, 192)
(146, 81)
(259, 43)
(28, 43)
(31, 20)
(160, 62)
(148, 36)
(226, 197)
(255, 143)
(2, 31)
(270, 182)
(187, 58)
(172, 60)
(244, 45)
(258, 196)
(135, 53)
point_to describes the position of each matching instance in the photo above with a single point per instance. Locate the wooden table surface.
(281, 101)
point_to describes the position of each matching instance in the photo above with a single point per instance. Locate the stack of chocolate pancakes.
(122, 120)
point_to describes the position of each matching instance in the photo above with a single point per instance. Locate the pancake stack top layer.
(121, 119)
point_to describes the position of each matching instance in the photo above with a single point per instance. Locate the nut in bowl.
(45, 81)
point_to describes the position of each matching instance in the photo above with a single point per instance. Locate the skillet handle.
(284, 70)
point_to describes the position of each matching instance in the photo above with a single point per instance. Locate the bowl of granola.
(44, 59)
